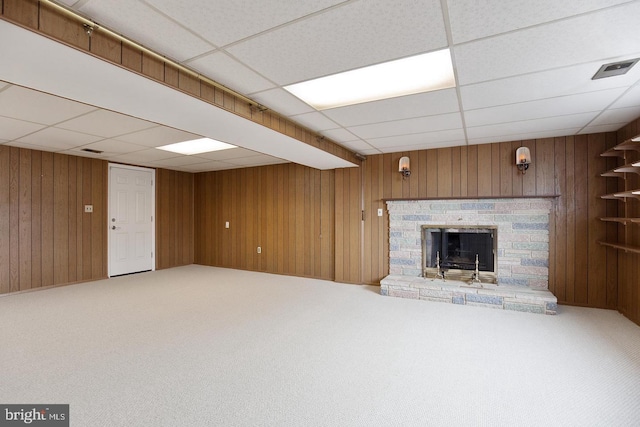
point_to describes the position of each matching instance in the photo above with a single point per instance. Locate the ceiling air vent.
(614, 69)
(91, 150)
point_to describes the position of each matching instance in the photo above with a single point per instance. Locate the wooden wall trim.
(50, 22)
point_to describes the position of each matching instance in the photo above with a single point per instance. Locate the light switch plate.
(88, 208)
(379, 212)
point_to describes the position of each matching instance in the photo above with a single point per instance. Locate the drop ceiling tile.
(471, 19)
(339, 135)
(232, 153)
(617, 115)
(282, 102)
(357, 145)
(20, 144)
(11, 129)
(146, 26)
(178, 161)
(30, 105)
(58, 139)
(582, 103)
(586, 38)
(408, 126)
(158, 136)
(371, 152)
(150, 155)
(430, 146)
(533, 126)
(315, 121)
(256, 161)
(225, 70)
(602, 128)
(629, 99)
(105, 124)
(403, 107)
(207, 166)
(113, 146)
(225, 21)
(425, 140)
(525, 136)
(351, 36)
(545, 84)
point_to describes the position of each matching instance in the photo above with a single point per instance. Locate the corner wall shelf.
(628, 151)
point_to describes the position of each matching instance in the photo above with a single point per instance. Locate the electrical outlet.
(226, 224)
(88, 208)
(259, 250)
(379, 212)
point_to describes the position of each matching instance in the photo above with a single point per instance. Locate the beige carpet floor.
(204, 346)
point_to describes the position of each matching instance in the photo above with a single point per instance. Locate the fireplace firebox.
(454, 252)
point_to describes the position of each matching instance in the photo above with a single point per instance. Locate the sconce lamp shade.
(404, 167)
(523, 159)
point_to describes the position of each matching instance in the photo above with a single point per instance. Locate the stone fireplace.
(513, 255)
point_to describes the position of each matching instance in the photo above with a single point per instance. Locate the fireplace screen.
(456, 250)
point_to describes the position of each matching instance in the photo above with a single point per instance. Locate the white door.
(130, 221)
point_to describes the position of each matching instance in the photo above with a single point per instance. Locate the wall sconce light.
(404, 167)
(523, 159)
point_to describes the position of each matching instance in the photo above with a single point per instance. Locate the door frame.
(153, 211)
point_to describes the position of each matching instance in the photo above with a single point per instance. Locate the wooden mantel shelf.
(409, 199)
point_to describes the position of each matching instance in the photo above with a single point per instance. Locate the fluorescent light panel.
(407, 76)
(197, 146)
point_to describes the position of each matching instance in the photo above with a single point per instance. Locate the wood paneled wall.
(581, 271)
(46, 20)
(175, 218)
(629, 263)
(287, 210)
(348, 247)
(46, 238)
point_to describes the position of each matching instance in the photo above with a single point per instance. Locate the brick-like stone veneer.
(523, 252)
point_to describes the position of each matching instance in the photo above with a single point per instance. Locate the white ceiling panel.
(58, 139)
(409, 126)
(351, 36)
(422, 104)
(11, 129)
(582, 103)
(471, 19)
(106, 124)
(179, 161)
(226, 21)
(148, 155)
(207, 166)
(357, 145)
(158, 136)
(233, 153)
(629, 99)
(454, 137)
(601, 128)
(282, 101)
(113, 146)
(618, 115)
(340, 135)
(535, 126)
(26, 104)
(441, 144)
(231, 73)
(545, 84)
(586, 38)
(315, 121)
(255, 161)
(143, 24)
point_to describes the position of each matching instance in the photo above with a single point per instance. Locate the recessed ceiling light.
(407, 76)
(197, 146)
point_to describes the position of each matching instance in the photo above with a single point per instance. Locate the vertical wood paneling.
(287, 210)
(42, 231)
(581, 285)
(5, 222)
(559, 238)
(175, 219)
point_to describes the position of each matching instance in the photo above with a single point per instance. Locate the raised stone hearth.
(522, 272)
(506, 297)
